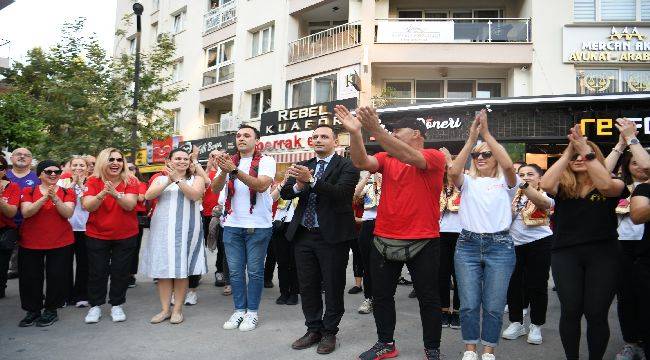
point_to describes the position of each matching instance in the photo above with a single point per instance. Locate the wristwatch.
(632, 141)
(524, 185)
(312, 180)
(234, 173)
(120, 195)
(590, 156)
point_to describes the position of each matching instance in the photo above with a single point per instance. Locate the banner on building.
(606, 44)
(411, 31)
(302, 118)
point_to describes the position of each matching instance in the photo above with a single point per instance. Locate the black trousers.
(319, 263)
(269, 262)
(630, 301)
(357, 263)
(586, 280)
(284, 252)
(447, 272)
(529, 281)
(365, 245)
(78, 271)
(109, 258)
(5, 256)
(424, 272)
(36, 267)
(642, 267)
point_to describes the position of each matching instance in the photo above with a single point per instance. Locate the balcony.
(452, 30)
(220, 17)
(211, 130)
(325, 42)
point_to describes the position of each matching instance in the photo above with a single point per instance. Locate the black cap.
(410, 123)
(44, 165)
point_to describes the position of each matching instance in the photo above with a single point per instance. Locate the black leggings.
(357, 263)
(78, 279)
(365, 245)
(529, 281)
(586, 280)
(447, 272)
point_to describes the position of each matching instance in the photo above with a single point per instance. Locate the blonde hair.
(78, 157)
(101, 162)
(569, 188)
(473, 170)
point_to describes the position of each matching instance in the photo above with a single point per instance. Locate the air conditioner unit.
(229, 122)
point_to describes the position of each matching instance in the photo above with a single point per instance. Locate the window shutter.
(618, 10)
(584, 10)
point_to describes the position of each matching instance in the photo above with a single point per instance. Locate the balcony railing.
(211, 130)
(385, 102)
(325, 42)
(221, 16)
(453, 30)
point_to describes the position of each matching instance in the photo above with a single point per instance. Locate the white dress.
(175, 247)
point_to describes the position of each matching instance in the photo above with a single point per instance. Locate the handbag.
(143, 220)
(399, 250)
(8, 238)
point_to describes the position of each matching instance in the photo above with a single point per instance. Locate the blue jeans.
(245, 252)
(484, 264)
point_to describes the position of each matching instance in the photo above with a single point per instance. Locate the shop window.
(596, 81)
(635, 80)
(401, 91)
(260, 103)
(428, 90)
(460, 89)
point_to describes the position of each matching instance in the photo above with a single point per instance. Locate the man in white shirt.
(247, 176)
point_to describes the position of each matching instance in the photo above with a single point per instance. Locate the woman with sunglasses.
(9, 201)
(175, 249)
(630, 303)
(45, 246)
(532, 236)
(79, 274)
(485, 255)
(111, 233)
(143, 219)
(585, 253)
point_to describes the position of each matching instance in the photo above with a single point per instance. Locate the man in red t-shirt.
(407, 225)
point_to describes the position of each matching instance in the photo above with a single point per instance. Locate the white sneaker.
(235, 319)
(191, 298)
(514, 331)
(487, 356)
(365, 307)
(82, 304)
(470, 355)
(93, 315)
(534, 334)
(117, 313)
(249, 323)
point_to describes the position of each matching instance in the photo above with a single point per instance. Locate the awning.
(297, 156)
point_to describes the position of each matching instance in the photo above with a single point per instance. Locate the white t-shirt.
(450, 222)
(627, 230)
(524, 234)
(262, 216)
(485, 204)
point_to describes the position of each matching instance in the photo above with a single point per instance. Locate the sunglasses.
(3, 168)
(119, 160)
(484, 154)
(52, 172)
(574, 157)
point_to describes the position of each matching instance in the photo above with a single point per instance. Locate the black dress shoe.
(282, 300)
(292, 299)
(306, 341)
(327, 344)
(355, 290)
(268, 284)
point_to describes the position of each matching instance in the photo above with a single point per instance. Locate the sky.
(32, 23)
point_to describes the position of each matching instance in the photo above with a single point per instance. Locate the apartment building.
(257, 60)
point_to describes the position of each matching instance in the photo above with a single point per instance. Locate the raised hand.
(578, 142)
(349, 121)
(369, 119)
(172, 174)
(224, 161)
(194, 155)
(474, 129)
(627, 128)
(301, 173)
(447, 154)
(51, 192)
(483, 122)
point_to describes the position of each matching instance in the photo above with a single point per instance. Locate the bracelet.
(617, 150)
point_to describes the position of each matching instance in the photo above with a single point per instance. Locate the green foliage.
(77, 100)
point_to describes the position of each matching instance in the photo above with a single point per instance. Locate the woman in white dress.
(175, 248)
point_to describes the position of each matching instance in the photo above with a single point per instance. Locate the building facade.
(243, 58)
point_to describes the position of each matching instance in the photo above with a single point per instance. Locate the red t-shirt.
(210, 199)
(11, 195)
(409, 208)
(47, 229)
(110, 221)
(142, 189)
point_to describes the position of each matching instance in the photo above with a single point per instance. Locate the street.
(202, 337)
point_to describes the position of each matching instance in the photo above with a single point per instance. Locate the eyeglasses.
(119, 160)
(52, 172)
(484, 154)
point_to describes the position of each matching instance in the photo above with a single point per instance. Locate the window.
(597, 81)
(325, 89)
(177, 71)
(486, 90)
(401, 90)
(460, 89)
(428, 90)
(176, 120)
(611, 10)
(260, 103)
(319, 89)
(154, 33)
(132, 46)
(263, 41)
(155, 5)
(635, 80)
(301, 94)
(220, 66)
(179, 22)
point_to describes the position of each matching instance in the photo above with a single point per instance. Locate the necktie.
(310, 211)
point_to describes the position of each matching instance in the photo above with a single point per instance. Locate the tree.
(82, 98)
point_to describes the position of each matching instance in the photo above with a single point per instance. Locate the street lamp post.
(137, 9)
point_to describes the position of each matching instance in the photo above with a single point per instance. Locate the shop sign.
(206, 146)
(602, 45)
(302, 118)
(286, 142)
(346, 79)
(391, 31)
(600, 128)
